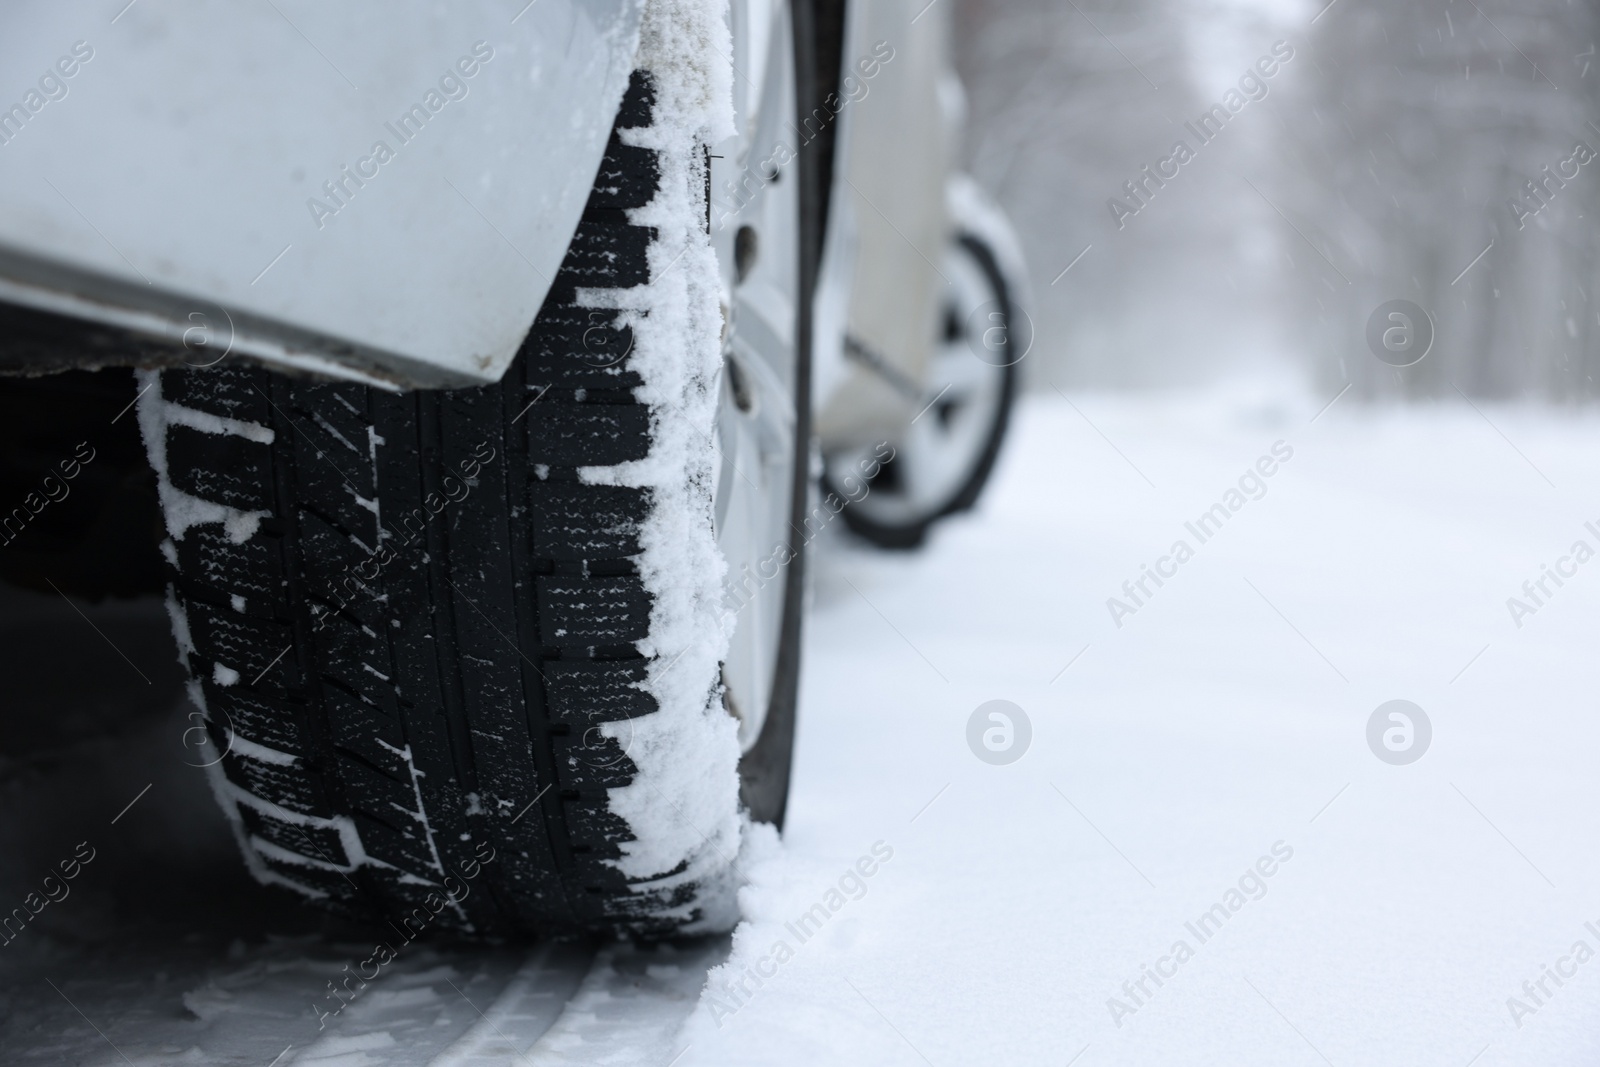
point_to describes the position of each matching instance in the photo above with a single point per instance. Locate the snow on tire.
(432, 628)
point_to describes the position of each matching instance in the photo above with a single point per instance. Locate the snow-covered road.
(1222, 726)
(1199, 858)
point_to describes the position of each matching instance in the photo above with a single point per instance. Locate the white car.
(496, 369)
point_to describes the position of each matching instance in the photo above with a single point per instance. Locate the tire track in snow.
(528, 1006)
(627, 1010)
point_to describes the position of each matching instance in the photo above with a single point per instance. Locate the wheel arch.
(240, 145)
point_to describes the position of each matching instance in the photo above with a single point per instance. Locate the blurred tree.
(1069, 100)
(1393, 159)
(1414, 151)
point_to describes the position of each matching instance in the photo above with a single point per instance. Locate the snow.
(180, 509)
(239, 745)
(683, 803)
(1178, 751)
(629, 1007)
(205, 422)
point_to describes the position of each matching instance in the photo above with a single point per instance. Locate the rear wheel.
(462, 654)
(945, 456)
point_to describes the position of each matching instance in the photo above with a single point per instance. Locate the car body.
(279, 183)
(393, 214)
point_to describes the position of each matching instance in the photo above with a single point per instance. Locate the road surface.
(1208, 849)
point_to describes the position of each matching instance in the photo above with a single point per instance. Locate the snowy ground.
(1012, 910)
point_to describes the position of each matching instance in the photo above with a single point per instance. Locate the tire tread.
(471, 673)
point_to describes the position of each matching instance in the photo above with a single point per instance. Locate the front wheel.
(462, 655)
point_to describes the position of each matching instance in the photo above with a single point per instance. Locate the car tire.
(459, 651)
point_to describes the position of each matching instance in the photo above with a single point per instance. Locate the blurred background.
(1385, 157)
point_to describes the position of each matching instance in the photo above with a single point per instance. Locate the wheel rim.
(757, 238)
(939, 453)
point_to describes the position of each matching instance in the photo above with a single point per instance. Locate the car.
(474, 382)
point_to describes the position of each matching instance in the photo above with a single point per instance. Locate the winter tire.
(461, 655)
